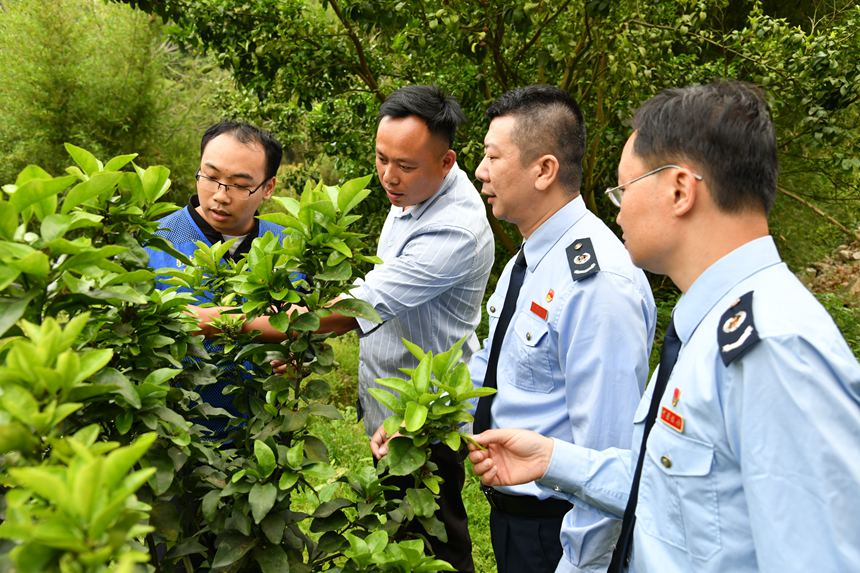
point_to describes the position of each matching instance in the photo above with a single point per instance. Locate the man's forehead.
(226, 153)
(501, 129)
(406, 140)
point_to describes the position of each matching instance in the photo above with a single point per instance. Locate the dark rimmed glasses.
(242, 191)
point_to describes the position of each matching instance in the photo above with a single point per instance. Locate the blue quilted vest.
(181, 230)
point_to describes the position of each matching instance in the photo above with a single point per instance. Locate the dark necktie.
(668, 357)
(482, 413)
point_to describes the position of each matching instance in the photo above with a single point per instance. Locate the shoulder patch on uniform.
(736, 333)
(581, 259)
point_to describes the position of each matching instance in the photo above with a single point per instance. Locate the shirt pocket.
(532, 370)
(678, 500)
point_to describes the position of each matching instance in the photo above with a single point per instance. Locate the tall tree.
(315, 70)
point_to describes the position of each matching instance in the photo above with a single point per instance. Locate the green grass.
(348, 447)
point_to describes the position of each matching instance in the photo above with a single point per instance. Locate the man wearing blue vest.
(744, 455)
(237, 171)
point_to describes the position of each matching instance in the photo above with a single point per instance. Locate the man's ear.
(448, 160)
(269, 188)
(686, 191)
(547, 171)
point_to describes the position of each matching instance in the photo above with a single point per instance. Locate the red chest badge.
(539, 310)
(671, 419)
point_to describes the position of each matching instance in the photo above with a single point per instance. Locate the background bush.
(103, 77)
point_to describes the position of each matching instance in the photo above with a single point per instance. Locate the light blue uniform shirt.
(764, 474)
(577, 373)
(437, 257)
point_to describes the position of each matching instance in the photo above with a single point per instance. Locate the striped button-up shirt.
(436, 261)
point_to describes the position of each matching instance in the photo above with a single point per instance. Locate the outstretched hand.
(512, 457)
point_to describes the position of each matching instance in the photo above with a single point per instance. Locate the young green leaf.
(356, 308)
(387, 399)
(421, 376)
(86, 160)
(265, 458)
(415, 416)
(118, 162)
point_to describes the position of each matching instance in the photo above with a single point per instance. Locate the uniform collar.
(417, 210)
(718, 279)
(552, 230)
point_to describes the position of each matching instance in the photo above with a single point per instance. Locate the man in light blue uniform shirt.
(574, 359)
(752, 460)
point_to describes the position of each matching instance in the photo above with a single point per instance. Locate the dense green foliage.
(103, 77)
(315, 72)
(99, 407)
(105, 460)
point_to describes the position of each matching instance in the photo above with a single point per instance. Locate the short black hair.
(439, 111)
(547, 121)
(724, 128)
(247, 133)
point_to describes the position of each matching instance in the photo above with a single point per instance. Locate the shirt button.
(556, 488)
(667, 463)
(528, 335)
(492, 309)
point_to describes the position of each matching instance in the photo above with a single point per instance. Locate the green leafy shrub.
(431, 406)
(100, 416)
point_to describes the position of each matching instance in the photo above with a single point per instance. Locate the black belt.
(526, 505)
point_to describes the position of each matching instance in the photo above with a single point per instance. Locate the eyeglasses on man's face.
(212, 184)
(615, 193)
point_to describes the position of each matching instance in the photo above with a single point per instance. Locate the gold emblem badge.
(734, 322)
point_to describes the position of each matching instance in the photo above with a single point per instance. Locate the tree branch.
(538, 32)
(499, 61)
(819, 212)
(364, 69)
(715, 44)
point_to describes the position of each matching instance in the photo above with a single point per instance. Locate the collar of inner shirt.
(214, 236)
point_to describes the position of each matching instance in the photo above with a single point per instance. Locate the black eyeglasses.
(242, 190)
(615, 193)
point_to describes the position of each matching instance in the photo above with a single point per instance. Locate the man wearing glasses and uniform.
(237, 171)
(744, 450)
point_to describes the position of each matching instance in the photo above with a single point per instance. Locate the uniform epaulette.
(736, 333)
(581, 259)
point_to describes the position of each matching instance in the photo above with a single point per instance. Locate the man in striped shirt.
(437, 250)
